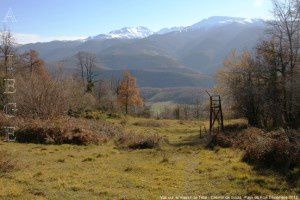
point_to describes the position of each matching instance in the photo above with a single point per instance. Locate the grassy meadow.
(180, 167)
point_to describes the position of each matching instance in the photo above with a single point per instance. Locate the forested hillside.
(198, 49)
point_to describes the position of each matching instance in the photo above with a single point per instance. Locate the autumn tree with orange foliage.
(32, 63)
(129, 93)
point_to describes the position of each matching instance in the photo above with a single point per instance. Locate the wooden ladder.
(216, 113)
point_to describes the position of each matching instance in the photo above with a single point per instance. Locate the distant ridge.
(172, 57)
(222, 21)
(125, 33)
(143, 32)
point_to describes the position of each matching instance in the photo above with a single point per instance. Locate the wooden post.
(221, 113)
(211, 115)
(200, 131)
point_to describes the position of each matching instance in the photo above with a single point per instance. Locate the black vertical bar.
(210, 116)
(221, 113)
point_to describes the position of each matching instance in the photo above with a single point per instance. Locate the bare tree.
(177, 112)
(240, 85)
(115, 85)
(87, 65)
(285, 31)
(80, 58)
(7, 43)
(197, 107)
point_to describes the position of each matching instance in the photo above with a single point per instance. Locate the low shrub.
(278, 153)
(66, 131)
(238, 139)
(97, 115)
(223, 141)
(139, 141)
(40, 96)
(220, 140)
(115, 115)
(244, 139)
(279, 149)
(7, 163)
(149, 123)
(235, 127)
(3, 120)
(124, 122)
(100, 115)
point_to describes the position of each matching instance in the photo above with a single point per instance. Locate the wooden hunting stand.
(215, 112)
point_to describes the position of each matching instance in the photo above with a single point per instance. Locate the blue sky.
(45, 20)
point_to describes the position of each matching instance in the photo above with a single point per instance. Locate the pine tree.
(129, 93)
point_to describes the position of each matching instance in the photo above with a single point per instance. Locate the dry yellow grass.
(182, 167)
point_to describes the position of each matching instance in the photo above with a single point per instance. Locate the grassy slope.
(183, 167)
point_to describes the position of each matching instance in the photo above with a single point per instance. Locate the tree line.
(110, 93)
(263, 85)
(43, 93)
(49, 93)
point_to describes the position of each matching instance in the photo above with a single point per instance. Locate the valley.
(172, 58)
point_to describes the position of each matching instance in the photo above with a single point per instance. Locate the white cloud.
(22, 38)
(258, 3)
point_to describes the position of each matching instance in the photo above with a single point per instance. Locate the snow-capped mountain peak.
(131, 32)
(219, 21)
(169, 30)
(125, 33)
(143, 32)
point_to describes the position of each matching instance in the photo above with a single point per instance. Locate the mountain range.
(143, 32)
(171, 57)
(125, 33)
